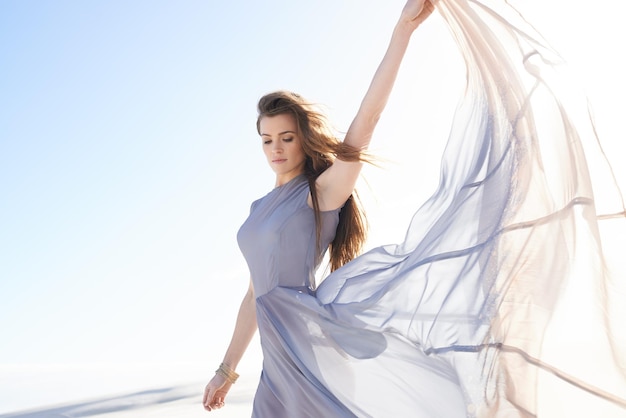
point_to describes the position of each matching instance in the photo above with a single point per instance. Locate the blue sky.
(129, 158)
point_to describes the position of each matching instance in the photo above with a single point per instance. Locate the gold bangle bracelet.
(229, 374)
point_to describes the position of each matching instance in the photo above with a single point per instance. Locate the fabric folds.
(506, 296)
(514, 269)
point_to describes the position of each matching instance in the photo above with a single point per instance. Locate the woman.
(464, 317)
(299, 148)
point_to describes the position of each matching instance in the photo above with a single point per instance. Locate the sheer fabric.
(518, 256)
(506, 296)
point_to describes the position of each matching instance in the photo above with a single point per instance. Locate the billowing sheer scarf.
(515, 269)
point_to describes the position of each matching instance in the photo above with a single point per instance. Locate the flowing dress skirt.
(504, 298)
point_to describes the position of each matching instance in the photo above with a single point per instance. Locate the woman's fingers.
(424, 13)
(219, 402)
(207, 401)
(214, 394)
(413, 8)
(416, 11)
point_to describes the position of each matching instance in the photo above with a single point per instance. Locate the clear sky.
(129, 157)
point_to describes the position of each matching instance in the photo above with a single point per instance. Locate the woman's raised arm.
(335, 185)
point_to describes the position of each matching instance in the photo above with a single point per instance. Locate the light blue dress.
(321, 359)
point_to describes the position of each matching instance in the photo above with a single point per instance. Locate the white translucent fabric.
(519, 255)
(507, 297)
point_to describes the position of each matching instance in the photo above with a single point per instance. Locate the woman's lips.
(279, 161)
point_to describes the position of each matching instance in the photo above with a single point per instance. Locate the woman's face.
(282, 146)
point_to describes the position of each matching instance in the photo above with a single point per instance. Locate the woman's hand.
(215, 393)
(416, 11)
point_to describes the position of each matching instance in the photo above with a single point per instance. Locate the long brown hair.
(321, 148)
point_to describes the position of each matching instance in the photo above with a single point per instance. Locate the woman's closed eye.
(289, 139)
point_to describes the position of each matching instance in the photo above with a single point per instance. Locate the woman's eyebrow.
(280, 133)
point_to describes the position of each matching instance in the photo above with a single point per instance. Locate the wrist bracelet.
(229, 374)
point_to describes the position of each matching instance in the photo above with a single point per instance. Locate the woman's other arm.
(245, 327)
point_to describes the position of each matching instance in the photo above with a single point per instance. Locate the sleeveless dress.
(318, 362)
(506, 297)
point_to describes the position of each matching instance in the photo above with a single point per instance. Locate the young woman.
(466, 316)
(311, 209)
